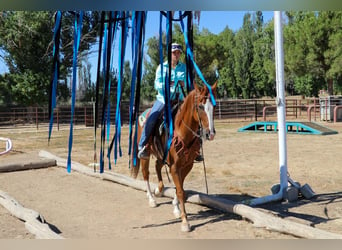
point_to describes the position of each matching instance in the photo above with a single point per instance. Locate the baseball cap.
(176, 46)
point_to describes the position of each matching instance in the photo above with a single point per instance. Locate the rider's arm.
(180, 75)
(180, 78)
(158, 82)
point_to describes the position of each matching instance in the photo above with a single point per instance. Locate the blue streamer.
(189, 53)
(112, 44)
(135, 23)
(77, 37)
(55, 73)
(167, 110)
(104, 63)
(137, 53)
(122, 44)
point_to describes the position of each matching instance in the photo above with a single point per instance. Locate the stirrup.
(143, 154)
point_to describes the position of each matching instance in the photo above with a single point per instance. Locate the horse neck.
(185, 123)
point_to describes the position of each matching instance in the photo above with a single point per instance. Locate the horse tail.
(134, 163)
(134, 160)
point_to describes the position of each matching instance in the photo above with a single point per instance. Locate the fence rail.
(229, 110)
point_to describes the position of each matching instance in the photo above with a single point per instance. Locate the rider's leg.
(156, 110)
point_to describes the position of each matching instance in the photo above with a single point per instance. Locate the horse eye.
(201, 106)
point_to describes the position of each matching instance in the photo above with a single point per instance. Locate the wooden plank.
(19, 166)
(34, 222)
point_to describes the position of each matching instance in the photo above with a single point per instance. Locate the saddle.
(160, 132)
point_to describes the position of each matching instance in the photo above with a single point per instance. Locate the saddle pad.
(143, 117)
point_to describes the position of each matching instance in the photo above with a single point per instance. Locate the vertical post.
(315, 107)
(256, 110)
(281, 106)
(326, 109)
(94, 114)
(57, 119)
(281, 109)
(37, 117)
(85, 116)
(219, 104)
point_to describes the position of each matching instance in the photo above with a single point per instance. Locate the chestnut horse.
(195, 114)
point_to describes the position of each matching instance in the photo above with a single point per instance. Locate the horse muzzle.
(210, 135)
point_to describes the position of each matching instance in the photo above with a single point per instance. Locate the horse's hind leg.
(159, 190)
(145, 171)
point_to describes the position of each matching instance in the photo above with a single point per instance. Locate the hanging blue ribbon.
(138, 24)
(104, 64)
(136, 19)
(77, 38)
(53, 92)
(167, 108)
(122, 46)
(98, 74)
(199, 73)
(114, 16)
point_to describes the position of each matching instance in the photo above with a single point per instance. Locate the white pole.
(281, 105)
(279, 58)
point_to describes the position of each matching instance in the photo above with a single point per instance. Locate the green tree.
(333, 55)
(263, 58)
(243, 55)
(26, 42)
(86, 89)
(150, 66)
(311, 50)
(227, 84)
(126, 88)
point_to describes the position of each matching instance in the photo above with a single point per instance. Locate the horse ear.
(196, 86)
(213, 87)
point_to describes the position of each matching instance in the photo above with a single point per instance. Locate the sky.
(214, 21)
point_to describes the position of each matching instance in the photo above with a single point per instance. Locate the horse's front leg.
(146, 174)
(175, 204)
(159, 190)
(181, 196)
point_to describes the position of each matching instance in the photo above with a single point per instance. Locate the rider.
(178, 77)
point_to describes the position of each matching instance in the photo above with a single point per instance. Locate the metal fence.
(228, 110)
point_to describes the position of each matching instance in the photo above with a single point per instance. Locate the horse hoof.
(157, 192)
(185, 227)
(152, 203)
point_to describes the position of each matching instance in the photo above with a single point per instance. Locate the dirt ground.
(238, 165)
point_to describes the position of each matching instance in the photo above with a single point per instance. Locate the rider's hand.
(181, 83)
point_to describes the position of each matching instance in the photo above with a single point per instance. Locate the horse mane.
(185, 107)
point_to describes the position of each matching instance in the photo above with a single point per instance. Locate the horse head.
(205, 110)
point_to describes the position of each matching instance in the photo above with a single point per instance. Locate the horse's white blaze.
(209, 110)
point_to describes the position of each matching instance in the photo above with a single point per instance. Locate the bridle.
(197, 107)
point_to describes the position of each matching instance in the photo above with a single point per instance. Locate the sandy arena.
(238, 165)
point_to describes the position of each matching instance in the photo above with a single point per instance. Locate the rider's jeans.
(156, 110)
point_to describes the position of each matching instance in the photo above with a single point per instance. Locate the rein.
(201, 133)
(193, 132)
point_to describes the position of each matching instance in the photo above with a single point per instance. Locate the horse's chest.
(186, 152)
